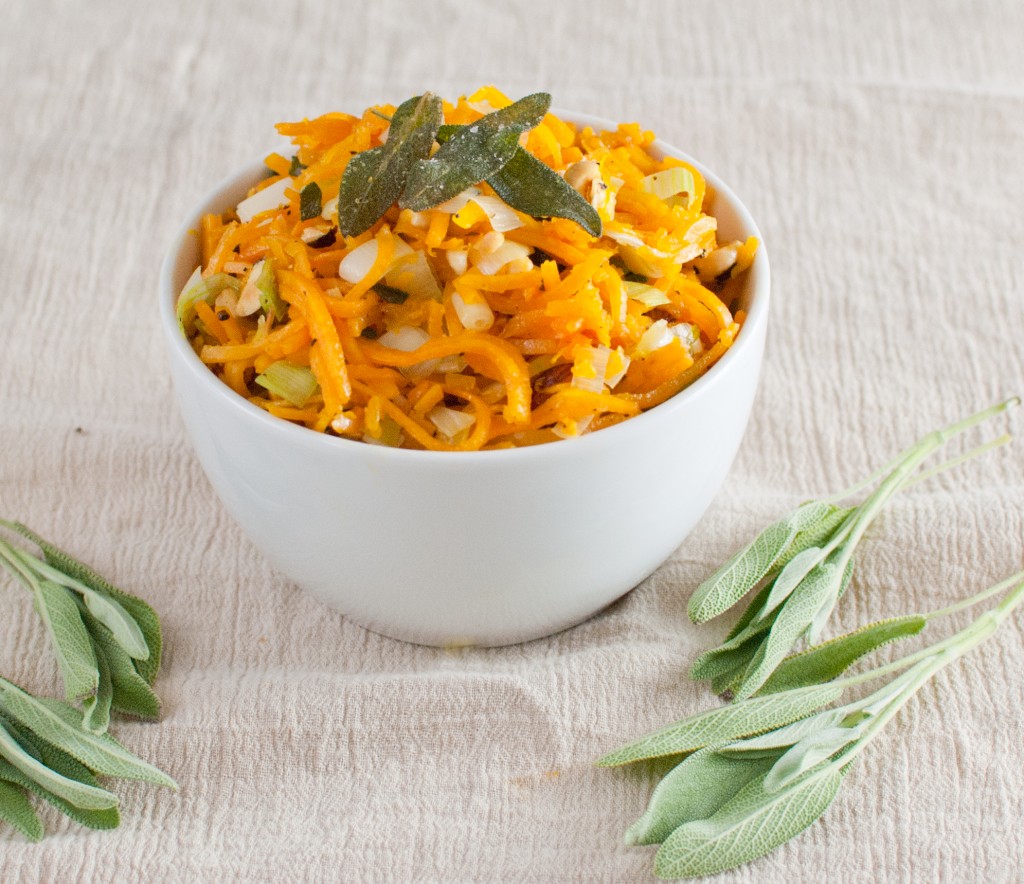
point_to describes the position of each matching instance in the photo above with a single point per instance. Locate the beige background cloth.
(879, 145)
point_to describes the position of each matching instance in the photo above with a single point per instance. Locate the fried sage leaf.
(310, 201)
(527, 184)
(374, 179)
(472, 153)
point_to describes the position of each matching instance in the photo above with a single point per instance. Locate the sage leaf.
(749, 825)
(460, 163)
(808, 753)
(472, 153)
(751, 615)
(374, 179)
(739, 646)
(790, 577)
(818, 534)
(65, 765)
(748, 567)
(60, 724)
(101, 606)
(531, 187)
(140, 611)
(124, 628)
(310, 201)
(96, 708)
(70, 640)
(694, 790)
(79, 794)
(793, 618)
(831, 659)
(787, 735)
(817, 625)
(727, 723)
(734, 654)
(131, 693)
(724, 684)
(16, 809)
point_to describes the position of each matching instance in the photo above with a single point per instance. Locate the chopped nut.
(716, 264)
(580, 175)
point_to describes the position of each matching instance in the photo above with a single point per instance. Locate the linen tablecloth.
(879, 145)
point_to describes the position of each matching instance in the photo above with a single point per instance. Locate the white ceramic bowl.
(485, 548)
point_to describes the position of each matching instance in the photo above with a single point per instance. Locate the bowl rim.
(646, 421)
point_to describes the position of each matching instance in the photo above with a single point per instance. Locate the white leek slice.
(624, 236)
(293, 383)
(639, 260)
(595, 368)
(689, 337)
(407, 338)
(647, 295)
(458, 202)
(506, 253)
(450, 422)
(271, 197)
(502, 216)
(656, 337)
(414, 275)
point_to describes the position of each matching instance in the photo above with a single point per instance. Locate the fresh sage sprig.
(108, 645)
(403, 170)
(803, 564)
(45, 750)
(759, 771)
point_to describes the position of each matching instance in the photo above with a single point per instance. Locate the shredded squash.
(470, 325)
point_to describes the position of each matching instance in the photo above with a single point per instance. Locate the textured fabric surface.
(879, 145)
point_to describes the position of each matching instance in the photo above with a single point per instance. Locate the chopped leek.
(199, 289)
(656, 337)
(266, 284)
(391, 434)
(647, 295)
(411, 273)
(506, 253)
(671, 182)
(293, 383)
(450, 422)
